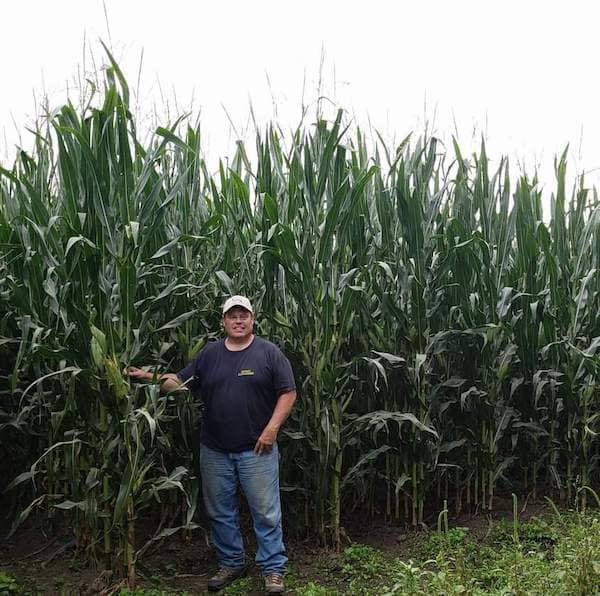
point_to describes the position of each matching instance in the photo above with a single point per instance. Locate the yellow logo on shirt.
(246, 372)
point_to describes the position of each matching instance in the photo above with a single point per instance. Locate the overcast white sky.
(525, 74)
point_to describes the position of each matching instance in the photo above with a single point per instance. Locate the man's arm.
(285, 403)
(168, 381)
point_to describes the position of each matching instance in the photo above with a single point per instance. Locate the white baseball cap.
(237, 301)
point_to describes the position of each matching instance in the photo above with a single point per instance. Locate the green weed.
(365, 568)
(8, 584)
(243, 586)
(536, 534)
(150, 592)
(312, 589)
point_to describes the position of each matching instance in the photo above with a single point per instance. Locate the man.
(248, 389)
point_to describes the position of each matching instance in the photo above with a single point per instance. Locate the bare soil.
(50, 564)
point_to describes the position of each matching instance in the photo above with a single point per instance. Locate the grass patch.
(150, 592)
(365, 569)
(556, 557)
(8, 584)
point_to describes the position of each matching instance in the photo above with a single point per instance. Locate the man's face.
(238, 322)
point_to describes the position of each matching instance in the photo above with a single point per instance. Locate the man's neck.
(238, 343)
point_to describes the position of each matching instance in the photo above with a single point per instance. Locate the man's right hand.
(138, 373)
(168, 381)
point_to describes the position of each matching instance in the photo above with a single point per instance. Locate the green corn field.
(443, 330)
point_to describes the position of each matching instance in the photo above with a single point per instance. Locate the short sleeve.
(190, 375)
(281, 369)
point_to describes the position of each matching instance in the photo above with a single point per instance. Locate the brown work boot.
(224, 577)
(274, 584)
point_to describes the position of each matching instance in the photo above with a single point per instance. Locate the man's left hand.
(265, 441)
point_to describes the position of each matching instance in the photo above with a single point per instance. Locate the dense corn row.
(443, 335)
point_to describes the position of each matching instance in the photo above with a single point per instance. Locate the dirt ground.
(49, 563)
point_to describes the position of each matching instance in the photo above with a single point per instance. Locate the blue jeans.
(258, 476)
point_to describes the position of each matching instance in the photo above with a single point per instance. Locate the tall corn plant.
(315, 255)
(92, 223)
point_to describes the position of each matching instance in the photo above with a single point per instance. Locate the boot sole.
(242, 573)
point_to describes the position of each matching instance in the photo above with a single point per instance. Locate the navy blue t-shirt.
(239, 390)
